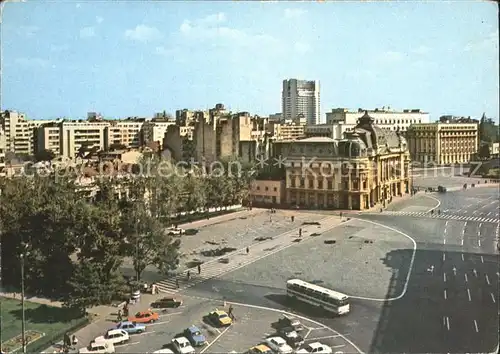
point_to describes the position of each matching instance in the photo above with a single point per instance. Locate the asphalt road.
(450, 302)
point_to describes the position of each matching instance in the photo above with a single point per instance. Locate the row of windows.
(267, 188)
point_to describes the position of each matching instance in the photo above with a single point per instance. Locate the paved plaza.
(353, 265)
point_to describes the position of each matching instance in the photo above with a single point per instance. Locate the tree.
(117, 146)
(484, 151)
(45, 155)
(146, 242)
(488, 130)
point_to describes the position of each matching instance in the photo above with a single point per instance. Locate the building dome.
(376, 137)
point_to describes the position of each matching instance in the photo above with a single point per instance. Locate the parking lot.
(251, 327)
(353, 264)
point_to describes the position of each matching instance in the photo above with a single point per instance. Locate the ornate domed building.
(368, 167)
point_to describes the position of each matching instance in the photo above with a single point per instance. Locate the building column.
(349, 202)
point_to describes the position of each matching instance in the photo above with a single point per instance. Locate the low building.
(495, 149)
(286, 131)
(155, 129)
(123, 156)
(267, 192)
(368, 167)
(443, 143)
(178, 141)
(333, 130)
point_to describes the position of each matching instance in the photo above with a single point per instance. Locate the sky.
(135, 58)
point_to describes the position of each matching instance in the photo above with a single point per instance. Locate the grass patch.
(52, 321)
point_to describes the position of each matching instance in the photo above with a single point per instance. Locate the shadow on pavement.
(428, 320)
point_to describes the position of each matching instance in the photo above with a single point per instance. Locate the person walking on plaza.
(120, 316)
(230, 312)
(74, 341)
(293, 218)
(177, 283)
(300, 232)
(188, 275)
(248, 250)
(199, 268)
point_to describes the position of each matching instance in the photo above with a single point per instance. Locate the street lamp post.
(23, 321)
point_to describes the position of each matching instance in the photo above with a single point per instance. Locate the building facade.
(333, 131)
(3, 150)
(367, 168)
(125, 132)
(155, 129)
(286, 131)
(443, 143)
(20, 132)
(267, 192)
(301, 97)
(384, 117)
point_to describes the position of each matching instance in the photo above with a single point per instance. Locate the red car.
(144, 317)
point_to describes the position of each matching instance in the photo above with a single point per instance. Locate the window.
(320, 184)
(267, 188)
(258, 188)
(275, 189)
(329, 184)
(302, 182)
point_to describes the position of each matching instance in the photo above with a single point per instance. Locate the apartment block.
(75, 134)
(19, 132)
(384, 117)
(286, 131)
(48, 137)
(155, 129)
(178, 142)
(3, 149)
(126, 132)
(443, 143)
(227, 135)
(332, 131)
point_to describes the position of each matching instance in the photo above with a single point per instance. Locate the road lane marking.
(410, 268)
(448, 323)
(462, 243)
(444, 257)
(308, 333)
(445, 297)
(466, 280)
(487, 279)
(475, 272)
(215, 340)
(480, 224)
(444, 230)
(465, 225)
(143, 333)
(482, 259)
(462, 253)
(444, 241)
(339, 346)
(492, 297)
(437, 200)
(125, 344)
(444, 277)
(475, 325)
(468, 294)
(479, 242)
(320, 338)
(157, 323)
(343, 336)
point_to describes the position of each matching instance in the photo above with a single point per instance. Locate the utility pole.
(23, 319)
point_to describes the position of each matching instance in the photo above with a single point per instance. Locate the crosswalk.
(240, 258)
(443, 216)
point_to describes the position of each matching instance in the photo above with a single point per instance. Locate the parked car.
(291, 336)
(175, 231)
(219, 318)
(163, 351)
(195, 337)
(130, 327)
(260, 349)
(441, 189)
(166, 302)
(279, 345)
(114, 336)
(144, 317)
(289, 321)
(182, 345)
(315, 347)
(98, 347)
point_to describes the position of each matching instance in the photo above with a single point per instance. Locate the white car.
(175, 231)
(315, 347)
(114, 336)
(279, 345)
(182, 345)
(98, 347)
(163, 351)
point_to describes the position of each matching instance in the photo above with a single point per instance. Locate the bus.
(316, 295)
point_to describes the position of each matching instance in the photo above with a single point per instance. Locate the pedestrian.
(199, 269)
(293, 218)
(74, 341)
(341, 215)
(177, 283)
(153, 289)
(300, 232)
(439, 211)
(67, 341)
(145, 287)
(188, 275)
(119, 317)
(125, 310)
(230, 312)
(248, 250)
